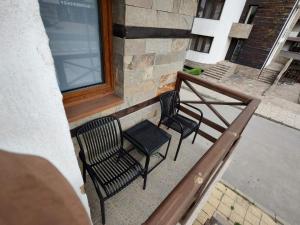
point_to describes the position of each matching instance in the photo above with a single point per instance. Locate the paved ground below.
(231, 208)
(265, 165)
(266, 168)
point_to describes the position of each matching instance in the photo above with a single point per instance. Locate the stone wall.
(150, 64)
(145, 67)
(268, 22)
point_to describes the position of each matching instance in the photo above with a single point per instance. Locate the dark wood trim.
(206, 121)
(132, 32)
(207, 136)
(125, 112)
(85, 94)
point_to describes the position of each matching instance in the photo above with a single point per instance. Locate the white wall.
(219, 29)
(32, 116)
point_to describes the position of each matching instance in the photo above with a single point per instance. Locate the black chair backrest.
(169, 102)
(100, 138)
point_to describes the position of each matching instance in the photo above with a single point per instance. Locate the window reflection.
(73, 30)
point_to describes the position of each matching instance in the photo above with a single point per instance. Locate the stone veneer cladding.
(143, 67)
(268, 22)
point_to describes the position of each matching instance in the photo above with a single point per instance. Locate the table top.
(147, 137)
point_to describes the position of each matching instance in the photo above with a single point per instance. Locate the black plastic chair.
(110, 167)
(170, 117)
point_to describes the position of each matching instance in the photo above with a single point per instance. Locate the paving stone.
(214, 201)
(202, 217)
(242, 202)
(221, 187)
(234, 217)
(227, 200)
(196, 222)
(224, 209)
(267, 219)
(240, 209)
(252, 219)
(209, 209)
(246, 223)
(255, 211)
(217, 194)
(231, 194)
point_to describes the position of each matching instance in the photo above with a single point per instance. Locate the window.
(210, 9)
(201, 44)
(251, 14)
(77, 30)
(80, 39)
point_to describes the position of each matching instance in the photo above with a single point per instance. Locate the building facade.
(244, 32)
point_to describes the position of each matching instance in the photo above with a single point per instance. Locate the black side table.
(147, 138)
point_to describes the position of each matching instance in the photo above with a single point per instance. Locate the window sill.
(88, 107)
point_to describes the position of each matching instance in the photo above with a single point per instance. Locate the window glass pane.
(73, 30)
(207, 45)
(218, 10)
(210, 9)
(201, 8)
(201, 44)
(251, 14)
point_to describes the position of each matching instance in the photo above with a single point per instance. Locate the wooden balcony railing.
(193, 186)
(190, 190)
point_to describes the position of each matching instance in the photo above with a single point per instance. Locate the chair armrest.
(193, 107)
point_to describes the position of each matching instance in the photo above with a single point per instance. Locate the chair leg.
(84, 172)
(102, 211)
(159, 124)
(177, 151)
(194, 137)
(168, 148)
(146, 171)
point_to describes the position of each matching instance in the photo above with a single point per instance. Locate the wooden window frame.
(106, 88)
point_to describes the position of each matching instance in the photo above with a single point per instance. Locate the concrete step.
(268, 76)
(218, 71)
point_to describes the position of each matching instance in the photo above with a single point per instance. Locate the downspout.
(295, 7)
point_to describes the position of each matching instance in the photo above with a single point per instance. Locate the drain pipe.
(295, 7)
